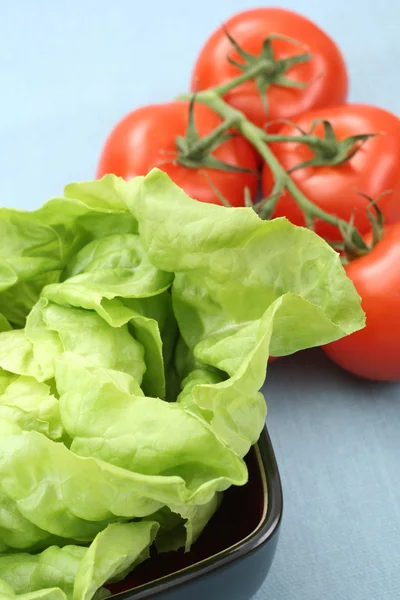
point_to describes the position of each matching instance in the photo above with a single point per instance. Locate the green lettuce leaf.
(136, 326)
(7, 593)
(113, 268)
(35, 247)
(52, 329)
(127, 430)
(230, 266)
(31, 405)
(4, 324)
(115, 551)
(28, 247)
(115, 265)
(97, 208)
(53, 568)
(17, 302)
(76, 572)
(17, 532)
(233, 309)
(86, 493)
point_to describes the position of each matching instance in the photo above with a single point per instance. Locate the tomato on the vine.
(146, 138)
(337, 189)
(374, 352)
(320, 81)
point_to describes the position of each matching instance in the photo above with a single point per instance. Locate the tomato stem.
(195, 152)
(257, 136)
(203, 144)
(298, 139)
(231, 84)
(313, 141)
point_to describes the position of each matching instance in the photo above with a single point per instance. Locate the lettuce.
(136, 326)
(75, 572)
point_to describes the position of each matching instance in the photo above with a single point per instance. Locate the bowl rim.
(265, 530)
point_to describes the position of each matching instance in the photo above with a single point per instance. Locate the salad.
(136, 326)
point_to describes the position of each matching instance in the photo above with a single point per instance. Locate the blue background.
(68, 72)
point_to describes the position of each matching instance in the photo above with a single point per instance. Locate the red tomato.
(325, 73)
(145, 138)
(374, 352)
(373, 170)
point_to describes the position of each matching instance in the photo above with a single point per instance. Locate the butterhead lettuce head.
(136, 326)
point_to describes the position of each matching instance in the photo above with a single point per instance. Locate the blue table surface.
(69, 71)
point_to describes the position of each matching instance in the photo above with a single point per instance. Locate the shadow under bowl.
(233, 555)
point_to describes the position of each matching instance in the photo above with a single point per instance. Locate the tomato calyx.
(354, 246)
(264, 68)
(327, 149)
(195, 152)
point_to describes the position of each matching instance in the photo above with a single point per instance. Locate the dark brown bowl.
(233, 555)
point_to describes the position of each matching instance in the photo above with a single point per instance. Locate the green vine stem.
(258, 138)
(251, 73)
